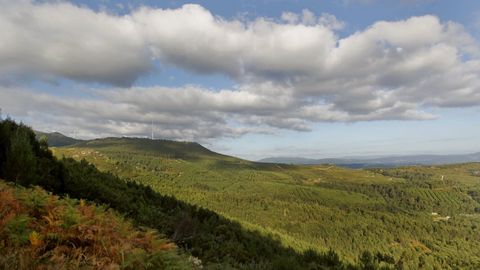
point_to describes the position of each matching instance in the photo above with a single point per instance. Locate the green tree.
(367, 261)
(20, 165)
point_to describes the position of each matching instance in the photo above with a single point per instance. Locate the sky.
(252, 79)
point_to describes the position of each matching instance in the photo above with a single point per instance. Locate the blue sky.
(253, 78)
(357, 13)
(455, 132)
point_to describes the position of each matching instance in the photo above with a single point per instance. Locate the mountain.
(391, 161)
(57, 139)
(164, 148)
(168, 148)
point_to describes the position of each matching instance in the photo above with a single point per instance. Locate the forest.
(419, 217)
(220, 243)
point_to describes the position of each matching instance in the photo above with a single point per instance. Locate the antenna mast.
(152, 129)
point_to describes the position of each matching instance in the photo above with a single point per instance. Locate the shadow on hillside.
(203, 233)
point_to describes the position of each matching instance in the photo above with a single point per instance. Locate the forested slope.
(217, 241)
(412, 217)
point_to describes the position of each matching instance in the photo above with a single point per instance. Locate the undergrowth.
(41, 231)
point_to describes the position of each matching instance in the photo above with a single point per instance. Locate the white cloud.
(189, 113)
(331, 22)
(290, 17)
(290, 73)
(106, 116)
(62, 40)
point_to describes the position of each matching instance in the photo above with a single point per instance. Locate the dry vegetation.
(41, 231)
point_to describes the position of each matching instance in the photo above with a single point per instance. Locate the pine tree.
(20, 165)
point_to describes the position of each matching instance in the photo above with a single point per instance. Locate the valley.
(385, 211)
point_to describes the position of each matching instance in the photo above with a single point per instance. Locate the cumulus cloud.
(53, 40)
(105, 115)
(290, 72)
(188, 113)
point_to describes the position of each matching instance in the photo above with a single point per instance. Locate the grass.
(319, 207)
(42, 231)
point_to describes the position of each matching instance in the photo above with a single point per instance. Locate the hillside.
(41, 231)
(387, 212)
(57, 139)
(165, 148)
(217, 242)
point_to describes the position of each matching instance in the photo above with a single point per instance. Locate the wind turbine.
(152, 129)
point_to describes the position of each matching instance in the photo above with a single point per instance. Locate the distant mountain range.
(390, 161)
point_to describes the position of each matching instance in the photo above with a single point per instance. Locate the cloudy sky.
(249, 78)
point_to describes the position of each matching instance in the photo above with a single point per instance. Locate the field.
(423, 217)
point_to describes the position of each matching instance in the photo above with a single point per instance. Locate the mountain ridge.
(186, 149)
(387, 161)
(57, 139)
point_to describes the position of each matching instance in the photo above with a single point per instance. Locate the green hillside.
(164, 148)
(413, 217)
(213, 241)
(56, 138)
